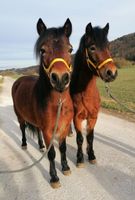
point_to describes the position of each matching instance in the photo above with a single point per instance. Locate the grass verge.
(123, 88)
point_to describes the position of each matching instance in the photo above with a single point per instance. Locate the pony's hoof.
(67, 172)
(24, 147)
(93, 162)
(80, 165)
(55, 185)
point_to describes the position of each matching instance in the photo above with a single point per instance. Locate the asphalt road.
(112, 178)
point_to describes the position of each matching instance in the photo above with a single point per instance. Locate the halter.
(98, 66)
(47, 70)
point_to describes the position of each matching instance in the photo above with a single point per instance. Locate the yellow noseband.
(47, 70)
(98, 66)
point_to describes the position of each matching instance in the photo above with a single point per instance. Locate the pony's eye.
(70, 50)
(92, 48)
(42, 51)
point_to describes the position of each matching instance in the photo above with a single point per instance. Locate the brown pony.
(91, 60)
(36, 98)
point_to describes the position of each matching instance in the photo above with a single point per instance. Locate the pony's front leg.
(79, 140)
(90, 151)
(65, 168)
(90, 138)
(54, 178)
(80, 157)
(54, 181)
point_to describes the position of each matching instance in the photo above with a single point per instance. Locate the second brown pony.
(36, 98)
(92, 59)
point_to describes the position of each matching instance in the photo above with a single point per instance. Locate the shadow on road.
(117, 183)
(10, 128)
(120, 146)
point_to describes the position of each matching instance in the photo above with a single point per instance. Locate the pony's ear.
(106, 28)
(88, 34)
(67, 27)
(89, 29)
(41, 27)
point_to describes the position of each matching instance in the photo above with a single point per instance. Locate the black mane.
(99, 38)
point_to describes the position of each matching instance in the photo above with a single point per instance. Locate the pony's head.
(97, 52)
(54, 50)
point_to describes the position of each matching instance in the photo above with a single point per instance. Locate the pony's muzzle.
(60, 82)
(110, 75)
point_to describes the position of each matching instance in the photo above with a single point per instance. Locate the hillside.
(124, 47)
(20, 71)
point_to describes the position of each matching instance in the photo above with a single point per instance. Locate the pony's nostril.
(110, 75)
(66, 78)
(60, 83)
(109, 72)
(54, 78)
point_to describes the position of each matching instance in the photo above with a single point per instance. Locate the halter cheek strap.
(47, 70)
(98, 66)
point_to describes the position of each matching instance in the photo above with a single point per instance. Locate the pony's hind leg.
(40, 141)
(22, 127)
(65, 168)
(53, 173)
(24, 140)
(90, 151)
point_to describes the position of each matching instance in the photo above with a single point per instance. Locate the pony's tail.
(34, 130)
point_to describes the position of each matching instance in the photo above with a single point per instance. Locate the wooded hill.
(124, 47)
(123, 51)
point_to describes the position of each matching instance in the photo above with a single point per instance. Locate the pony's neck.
(82, 75)
(56, 96)
(43, 87)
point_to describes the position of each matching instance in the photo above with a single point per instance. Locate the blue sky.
(18, 23)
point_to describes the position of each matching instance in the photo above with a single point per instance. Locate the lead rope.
(46, 152)
(108, 91)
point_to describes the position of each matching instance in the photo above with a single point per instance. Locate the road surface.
(112, 178)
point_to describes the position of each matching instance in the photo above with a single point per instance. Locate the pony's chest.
(91, 98)
(65, 113)
(66, 110)
(65, 117)
(87, 103)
